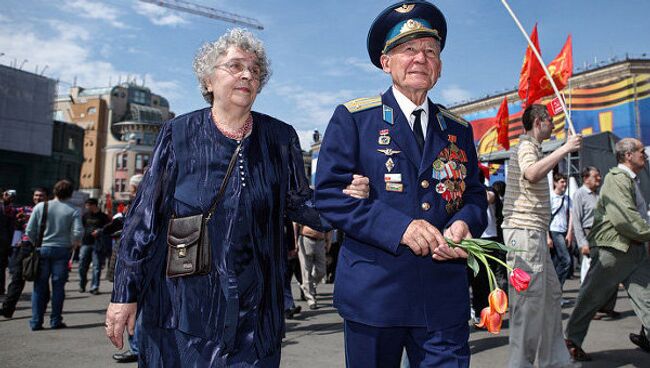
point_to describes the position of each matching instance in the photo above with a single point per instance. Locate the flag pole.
(539, 57)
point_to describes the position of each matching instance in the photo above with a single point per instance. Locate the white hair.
(207, 56)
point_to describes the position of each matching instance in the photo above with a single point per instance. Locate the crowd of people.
(224, 218)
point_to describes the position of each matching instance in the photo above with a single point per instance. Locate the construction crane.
(205, 11)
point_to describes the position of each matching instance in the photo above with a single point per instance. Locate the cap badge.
(410, 25)
(405, 8)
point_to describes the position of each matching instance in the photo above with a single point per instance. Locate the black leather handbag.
(188, 244)
(30, 262)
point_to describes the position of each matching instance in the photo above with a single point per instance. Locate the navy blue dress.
(234, 315)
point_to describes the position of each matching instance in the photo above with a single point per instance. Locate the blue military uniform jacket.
(380, 282)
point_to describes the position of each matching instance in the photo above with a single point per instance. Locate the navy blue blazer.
(188, 164)
(378, 281)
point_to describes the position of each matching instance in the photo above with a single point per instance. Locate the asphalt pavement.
(314, 338)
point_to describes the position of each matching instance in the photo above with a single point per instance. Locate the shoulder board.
(364, 103)
(449, 115)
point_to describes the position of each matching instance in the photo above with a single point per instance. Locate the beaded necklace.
(240, 133)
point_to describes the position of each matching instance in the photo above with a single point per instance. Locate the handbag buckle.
(182, 251)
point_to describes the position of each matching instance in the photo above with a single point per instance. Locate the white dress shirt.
(407, 106)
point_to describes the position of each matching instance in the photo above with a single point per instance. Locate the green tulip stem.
(499, 261)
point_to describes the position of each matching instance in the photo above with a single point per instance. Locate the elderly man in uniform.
(398, 284)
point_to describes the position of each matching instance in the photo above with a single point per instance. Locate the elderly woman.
(233, 315)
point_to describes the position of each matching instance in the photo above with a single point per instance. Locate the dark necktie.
(417, 129)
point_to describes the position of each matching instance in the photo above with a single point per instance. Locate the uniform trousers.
(382, 347)
(609, 267)
(311, 253)
(535, 313)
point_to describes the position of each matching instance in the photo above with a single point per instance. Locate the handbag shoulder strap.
(41, 230)
(222, 189)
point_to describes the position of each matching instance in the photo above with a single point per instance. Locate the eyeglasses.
(236, 67)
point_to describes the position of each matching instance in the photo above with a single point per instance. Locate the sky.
(317, 48)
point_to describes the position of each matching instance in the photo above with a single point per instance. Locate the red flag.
(502, 125)
(561, 69)
(531, 71)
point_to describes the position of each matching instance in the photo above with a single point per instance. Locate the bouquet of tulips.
(478, 250)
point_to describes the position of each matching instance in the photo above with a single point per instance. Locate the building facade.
(35, 151)
(121, 124)
(611, 98)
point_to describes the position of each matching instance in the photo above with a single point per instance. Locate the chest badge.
(389, 151)
(388, 114)
(384, 140)
(390, 164)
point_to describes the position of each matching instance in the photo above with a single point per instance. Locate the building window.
(92, 110)
(120, 185)
(141, 162)
(139, 96)
(121, 161)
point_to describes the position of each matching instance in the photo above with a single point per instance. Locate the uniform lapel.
(435, 140)
(401, 132)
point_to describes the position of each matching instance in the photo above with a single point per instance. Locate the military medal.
(438, 165)
(394, 187)
(393, 178)
(441, 188)
(463, 171)
(389, 164)
(384, 140)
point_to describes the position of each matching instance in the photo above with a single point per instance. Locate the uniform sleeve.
(146, 221)
(368, 220)
(620, 208)
(474, 210)
(299, 204)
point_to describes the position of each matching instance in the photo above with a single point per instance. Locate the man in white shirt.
(561, 229)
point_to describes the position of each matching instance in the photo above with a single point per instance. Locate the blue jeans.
(562, 258)
(53, 263)
(85, 254)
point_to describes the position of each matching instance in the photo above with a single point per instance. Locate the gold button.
(425, 206)
(424, 184)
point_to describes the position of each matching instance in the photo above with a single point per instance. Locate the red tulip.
(519, 279)
(490, 320)
(498, 301)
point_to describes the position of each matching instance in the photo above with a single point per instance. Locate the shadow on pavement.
(618, 358)
(487, 343)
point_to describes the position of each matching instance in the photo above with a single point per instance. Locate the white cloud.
(95, 10)
(69, 31)
(455, 94)
(312, 109)
(339, 67)
(159, 16)
(69, 56)
(362, 65)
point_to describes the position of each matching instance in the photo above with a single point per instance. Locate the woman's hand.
(119, 316)
(359, 187)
